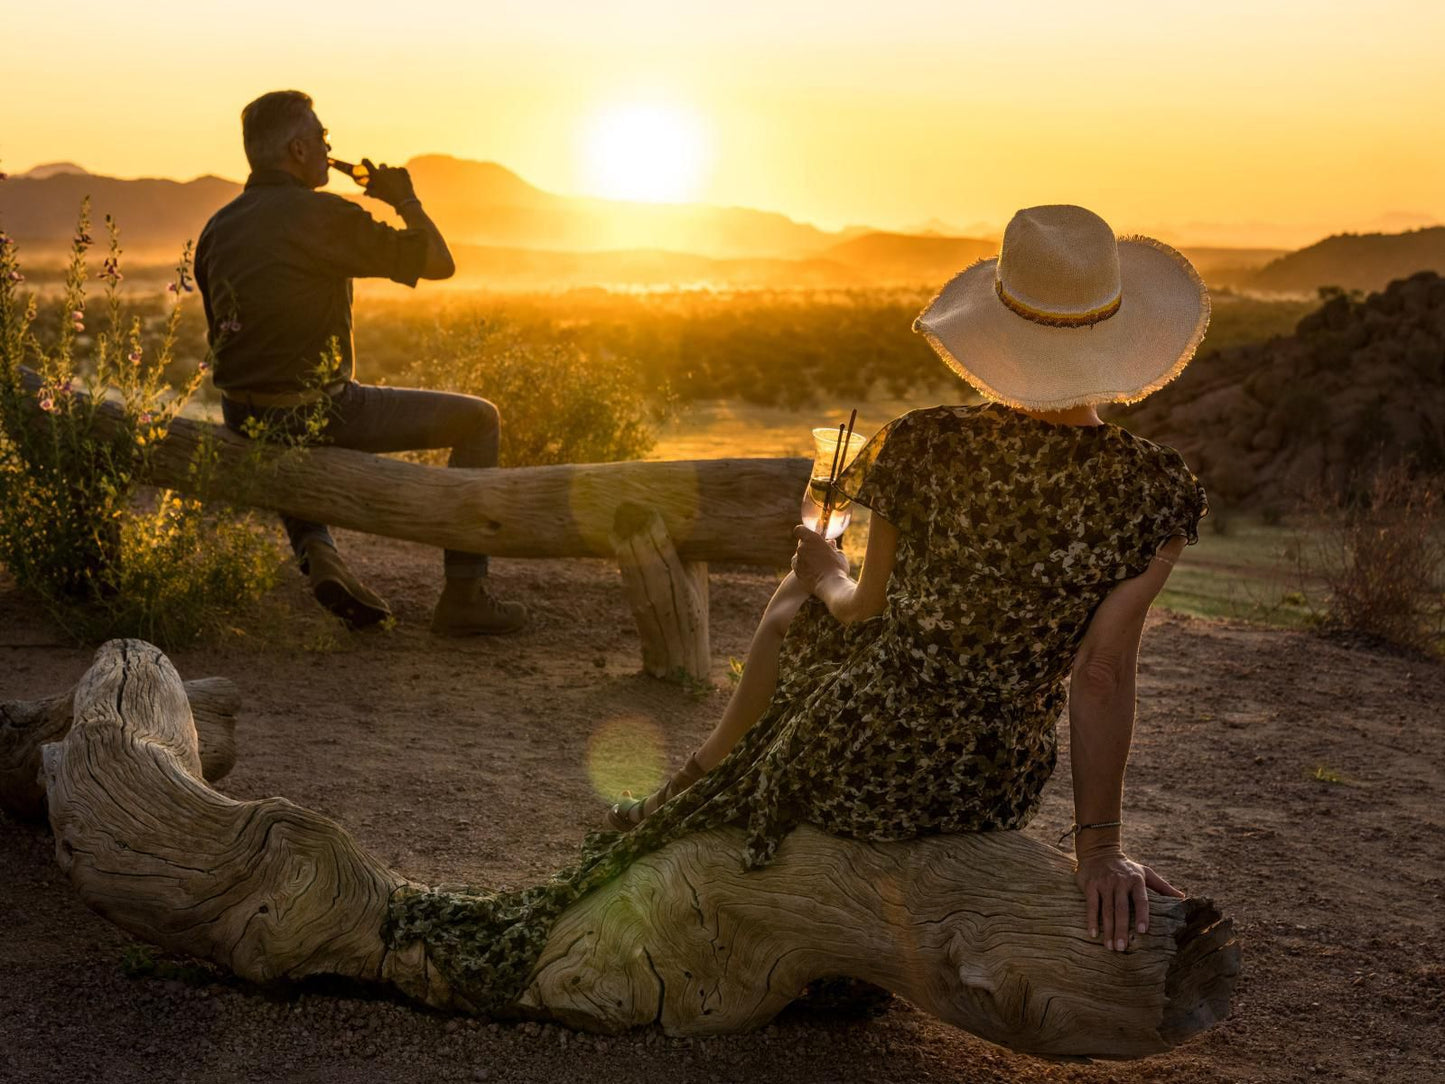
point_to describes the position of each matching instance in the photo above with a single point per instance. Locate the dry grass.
(1380, 553)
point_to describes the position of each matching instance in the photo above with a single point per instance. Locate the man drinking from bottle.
(274, 267)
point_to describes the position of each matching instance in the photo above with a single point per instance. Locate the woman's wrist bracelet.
(408, 202)
(1076, 828)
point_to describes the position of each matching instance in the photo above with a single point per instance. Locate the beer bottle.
(357, 172)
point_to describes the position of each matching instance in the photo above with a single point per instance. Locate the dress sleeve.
(348, 242)
(1182, 501)
(885, 476)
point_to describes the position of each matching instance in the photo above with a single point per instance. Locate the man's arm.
(439, 263)
(393, 186)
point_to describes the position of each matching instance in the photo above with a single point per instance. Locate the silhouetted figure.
(275, 267)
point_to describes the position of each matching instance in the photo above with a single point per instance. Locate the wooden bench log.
(736, 511)
(26, 725)
(982, 930)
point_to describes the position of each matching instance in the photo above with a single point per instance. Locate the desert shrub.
(184, 566)
(559, 404)
(1379, 550)
(782, 348)
(80, 416)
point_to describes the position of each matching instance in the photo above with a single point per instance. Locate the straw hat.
(1066, 315)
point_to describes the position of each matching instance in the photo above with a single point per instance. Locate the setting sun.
(644, 151)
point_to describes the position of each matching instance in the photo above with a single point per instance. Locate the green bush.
(558, 403)
(80, 415)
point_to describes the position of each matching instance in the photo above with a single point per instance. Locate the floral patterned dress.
(937, 715)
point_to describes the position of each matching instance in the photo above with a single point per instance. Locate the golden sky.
(1226, 121)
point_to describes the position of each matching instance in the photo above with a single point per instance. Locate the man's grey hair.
(271, 122)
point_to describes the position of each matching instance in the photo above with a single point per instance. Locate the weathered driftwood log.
(26, 725)
(982, 930)
(668, 596)
(740, 511)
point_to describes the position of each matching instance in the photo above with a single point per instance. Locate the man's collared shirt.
(274, 267)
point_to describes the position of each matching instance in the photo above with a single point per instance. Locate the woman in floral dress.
(1011, 546)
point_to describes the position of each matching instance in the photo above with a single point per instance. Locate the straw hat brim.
(1162, 316)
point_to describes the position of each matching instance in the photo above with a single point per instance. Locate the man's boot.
(466, 608)
(339, 591)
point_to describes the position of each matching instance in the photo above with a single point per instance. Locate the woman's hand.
(816, 558)
(1109, 880)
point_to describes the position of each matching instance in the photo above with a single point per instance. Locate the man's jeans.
(374, 419)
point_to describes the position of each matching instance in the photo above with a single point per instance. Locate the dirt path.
(1299, 783)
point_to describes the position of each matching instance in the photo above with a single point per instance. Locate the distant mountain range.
(509, 234)
(1355, 261)
(156, 216)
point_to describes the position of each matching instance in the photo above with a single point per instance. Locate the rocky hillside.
(1358, 382)
(1354, 261)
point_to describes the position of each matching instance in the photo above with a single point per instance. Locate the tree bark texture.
(739, 511)
(668, 596)
(26, 725)
(982, 930)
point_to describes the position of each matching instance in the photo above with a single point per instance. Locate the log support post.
(668, 596)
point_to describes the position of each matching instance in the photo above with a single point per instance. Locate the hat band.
(1055, 319)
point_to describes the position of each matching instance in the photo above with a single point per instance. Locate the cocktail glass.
(826, 513)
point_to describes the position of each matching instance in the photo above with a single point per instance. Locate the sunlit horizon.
(646, 151)
(1237, 125)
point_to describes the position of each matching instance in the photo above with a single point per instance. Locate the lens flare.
(626, 753)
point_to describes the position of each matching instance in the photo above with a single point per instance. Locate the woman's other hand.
(816, 558)
(1110, 880)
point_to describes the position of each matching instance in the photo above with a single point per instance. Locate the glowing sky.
(1298, 117)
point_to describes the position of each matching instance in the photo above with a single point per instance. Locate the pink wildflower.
(203, 367)
(146, 418)
(16, 276)
(47, 404)
(78, 325)
(78, 314)
(170, 287)
(133, 357)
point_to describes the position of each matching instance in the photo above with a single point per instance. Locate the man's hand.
(1109, 880)
(390, 184)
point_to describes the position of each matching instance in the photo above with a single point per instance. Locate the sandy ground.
(1299, 783)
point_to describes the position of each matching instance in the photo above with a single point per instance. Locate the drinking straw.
(837, 453)
(847, 441)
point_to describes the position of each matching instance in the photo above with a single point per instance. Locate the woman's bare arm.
(1101, 726)
(819, 567)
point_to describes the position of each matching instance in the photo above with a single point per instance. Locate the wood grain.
(983, 930)
(740, 511)
(26, 725)
(668, 596)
